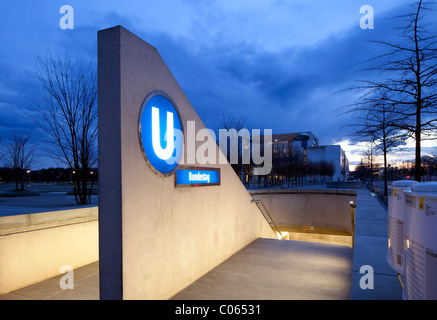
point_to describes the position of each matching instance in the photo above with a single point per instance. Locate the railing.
(353, 215)
(269, 218)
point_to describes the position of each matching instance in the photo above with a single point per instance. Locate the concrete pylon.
(156, 239)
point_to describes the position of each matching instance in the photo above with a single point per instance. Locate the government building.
(298, 157)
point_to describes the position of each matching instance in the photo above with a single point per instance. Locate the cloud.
(277, 62)
(288, 89)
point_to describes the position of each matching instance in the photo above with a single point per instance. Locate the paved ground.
(371, 249)
(86, 287)
(267, 269)
(310, 271)
(49, 198)
(272, 269)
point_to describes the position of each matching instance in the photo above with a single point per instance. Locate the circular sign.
(160, 133)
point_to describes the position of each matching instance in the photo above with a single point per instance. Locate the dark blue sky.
(278, 62)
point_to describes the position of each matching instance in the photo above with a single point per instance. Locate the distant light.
(283, 235)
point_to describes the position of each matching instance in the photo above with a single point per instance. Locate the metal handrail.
(272, 221)
(353, 208)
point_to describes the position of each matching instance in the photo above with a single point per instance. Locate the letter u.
(161, 153)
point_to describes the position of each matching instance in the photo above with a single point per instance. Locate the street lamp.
(28, 177)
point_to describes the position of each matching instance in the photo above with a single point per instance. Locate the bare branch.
(405, 75)
(68, 115)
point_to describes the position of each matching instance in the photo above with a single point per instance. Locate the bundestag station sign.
(160, 131)
(197, 177)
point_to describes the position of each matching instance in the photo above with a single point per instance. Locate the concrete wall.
(156, 239)
(33, 247)
(321, 208)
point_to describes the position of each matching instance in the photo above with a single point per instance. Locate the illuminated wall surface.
(156, 235)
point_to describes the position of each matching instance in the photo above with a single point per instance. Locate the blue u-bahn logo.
(160, 133)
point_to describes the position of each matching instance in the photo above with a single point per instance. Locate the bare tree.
(429, 163)
(231, 121)
(313, 169)
(370, 154)
(295, 164)
(1, 150)
(19, 156)
(235, 126)
(376, 120)
(327, 168)
(68, 116)
(408, 75)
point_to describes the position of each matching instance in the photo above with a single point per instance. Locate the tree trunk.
(17, 178)
(385, 172)
(418, 128)
(417, 165)
(22, 179)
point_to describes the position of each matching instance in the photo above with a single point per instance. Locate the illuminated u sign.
(160, 133)
(163, 154)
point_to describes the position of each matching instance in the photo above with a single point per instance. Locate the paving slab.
(371, 238)
(86, 287)
(267, 269)
(44, 202)
(270, 269)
